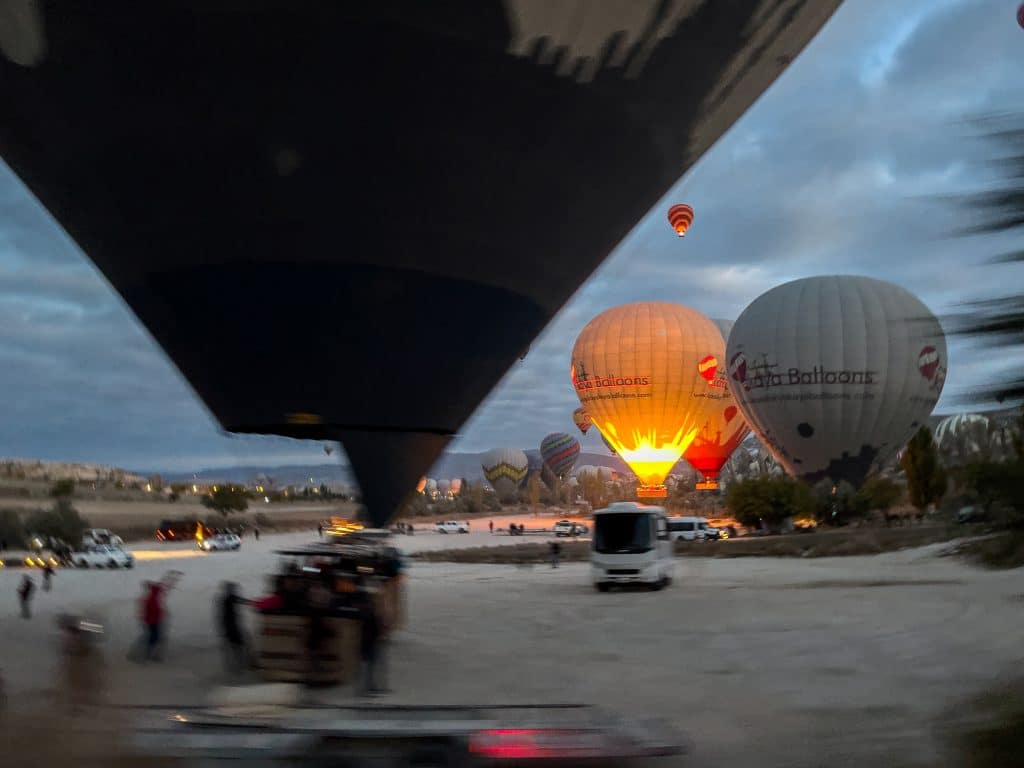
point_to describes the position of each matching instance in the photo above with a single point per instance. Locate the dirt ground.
(760, 661)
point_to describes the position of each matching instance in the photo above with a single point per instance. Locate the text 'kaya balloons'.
(581, 419)
(725, 427)
(835, 374)
(635, 370)
(559, 452)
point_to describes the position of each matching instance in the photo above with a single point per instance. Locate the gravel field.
(833, 661)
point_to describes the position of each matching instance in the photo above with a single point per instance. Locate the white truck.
(452, 526)
(102, 556)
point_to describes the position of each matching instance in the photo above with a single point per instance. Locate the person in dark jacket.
(25, 591)
(371, 640)
(235, 652)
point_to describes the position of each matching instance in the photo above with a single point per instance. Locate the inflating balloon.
(504, 469)
(725, 426)
(835, 374)
(680, 217)
(421, 485)
(581, 419)
(559, 451)
(635, 368)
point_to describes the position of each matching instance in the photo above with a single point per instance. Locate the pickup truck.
(452, 526)
(102, 556)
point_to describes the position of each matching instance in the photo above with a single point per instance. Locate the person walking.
(256, 533)
(25, 591)
(47, 576)
(151, 615)
(235, 651)
(556, 551)
(490, 526)
(370, 642)
(320, 530)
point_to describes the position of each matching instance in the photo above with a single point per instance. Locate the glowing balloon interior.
(635, 368)
(680, 217)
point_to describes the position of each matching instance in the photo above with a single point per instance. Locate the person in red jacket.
(153, 616)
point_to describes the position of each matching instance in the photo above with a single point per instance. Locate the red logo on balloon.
(928, 362)
(707, 367)
(729, 413)
(738, 367)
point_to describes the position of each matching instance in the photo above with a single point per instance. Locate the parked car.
(102, 556)
(220, 542)
(569, 528)
(452, 526)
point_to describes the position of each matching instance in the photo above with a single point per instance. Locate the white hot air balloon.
(835, 374)
(444, 487)
(430, 488)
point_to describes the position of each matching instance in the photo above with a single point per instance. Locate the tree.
(225, 499)
(592, 488)
(879, 493)
(768, 501)
(61, 521)
(62, 488)
(999, 321)
(926, 479)
(533, 491)
(12, 532)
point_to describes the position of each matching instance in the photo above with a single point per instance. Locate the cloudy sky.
(844, 165)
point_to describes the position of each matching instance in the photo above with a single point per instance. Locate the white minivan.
(688, 528)
(631, 545)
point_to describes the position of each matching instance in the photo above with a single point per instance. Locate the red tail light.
(527, 743)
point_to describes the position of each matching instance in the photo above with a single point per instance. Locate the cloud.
(845, 165)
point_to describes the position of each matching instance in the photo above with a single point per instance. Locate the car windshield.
(622, 533)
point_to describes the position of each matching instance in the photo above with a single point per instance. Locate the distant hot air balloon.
(725, 427)
(504, 469)
(559, 451)
(835, 374)
(581, 419)
(635, 369)
(589, 470)
(680, 217)
(421, 485)
(430, 487)
(444, 487)
(456, 486)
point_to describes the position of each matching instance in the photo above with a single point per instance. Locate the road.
(760, 661)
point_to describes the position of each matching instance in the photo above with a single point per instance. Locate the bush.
(61, 488)
(768, 501)
(225, 499)
(11, 530)
(61, 521)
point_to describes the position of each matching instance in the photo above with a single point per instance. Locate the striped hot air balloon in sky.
(680, 217)
(504, 469)
(581, 419)
(559, 451)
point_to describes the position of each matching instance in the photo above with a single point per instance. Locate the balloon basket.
(652, 492)
(707, 485)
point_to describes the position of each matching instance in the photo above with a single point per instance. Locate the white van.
(631, 545)
(688, 528)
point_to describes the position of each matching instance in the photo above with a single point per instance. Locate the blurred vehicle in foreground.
(102, 556)
(631, 545)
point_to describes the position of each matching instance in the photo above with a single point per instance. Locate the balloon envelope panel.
(836, 373)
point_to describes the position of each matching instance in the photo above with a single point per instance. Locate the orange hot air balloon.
(421, 485)
(725, 427)
(635, 369)
(581, 419)
(680, 217)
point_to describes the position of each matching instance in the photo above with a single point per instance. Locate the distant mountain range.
(450, 465)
